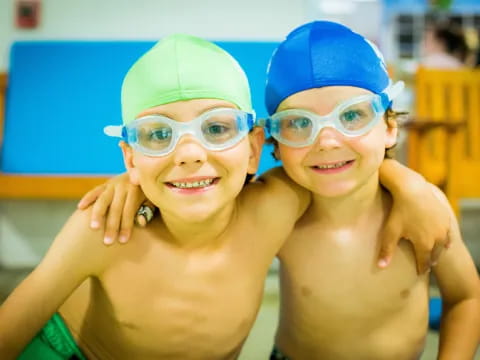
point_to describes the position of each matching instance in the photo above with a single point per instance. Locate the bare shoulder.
(454, 228)
(439, 194)
(275, 191)
(79, 245)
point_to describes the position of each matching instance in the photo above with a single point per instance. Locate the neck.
(353, 208)
(204, 233)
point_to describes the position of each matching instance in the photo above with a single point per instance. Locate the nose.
(189, 151)
(327, 139)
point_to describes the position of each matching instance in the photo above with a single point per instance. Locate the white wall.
(152, 19)
(28, 227)
(363, 16)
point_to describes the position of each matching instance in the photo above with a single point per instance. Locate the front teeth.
(190, 185)
(332, 166)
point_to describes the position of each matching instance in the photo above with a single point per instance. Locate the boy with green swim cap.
(189, 285)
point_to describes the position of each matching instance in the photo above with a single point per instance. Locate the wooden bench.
(444, 135)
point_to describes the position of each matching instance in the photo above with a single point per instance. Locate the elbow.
(7, 351)
(470, 305)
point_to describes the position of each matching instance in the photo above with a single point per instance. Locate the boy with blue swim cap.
(327, 117)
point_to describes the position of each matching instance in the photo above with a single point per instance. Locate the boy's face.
(334, 165)
(193, 182)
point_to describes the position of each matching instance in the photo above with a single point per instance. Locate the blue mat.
(62, 93)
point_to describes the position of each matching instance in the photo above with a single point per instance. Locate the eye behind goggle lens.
(294, 128)
(357, 116)
(155, 136)
(220, 128)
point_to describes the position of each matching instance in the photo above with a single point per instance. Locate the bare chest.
(333, 294)
(173, 306)
(339, 274)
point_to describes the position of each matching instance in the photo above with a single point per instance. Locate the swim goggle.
(353, 117)
(157, 135)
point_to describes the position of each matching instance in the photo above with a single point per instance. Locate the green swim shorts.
(53, 342)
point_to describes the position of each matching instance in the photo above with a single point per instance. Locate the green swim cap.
(183, 67)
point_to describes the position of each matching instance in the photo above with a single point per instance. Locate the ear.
(391, 132)
(276, 152)
(257, 138)
(129, 162)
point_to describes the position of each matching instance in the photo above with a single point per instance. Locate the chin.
(197, 213)
(334, 190)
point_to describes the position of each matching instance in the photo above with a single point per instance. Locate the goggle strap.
(114, 131)
(390, 93)
(394, 90)
(260, 122)
(270, 126)
(251, 122)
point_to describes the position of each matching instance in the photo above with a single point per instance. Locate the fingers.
(423, 259)
(440, 245)
(145, 213)
(427, 258)
(133, 201)
(448, 239)
(390, 238)
(114, 215)
(100, 208)
(140, 220)
(90, 197)
(436, 252)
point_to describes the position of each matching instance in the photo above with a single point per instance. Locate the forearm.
(460, 330)
(12, 336)
(398, 178)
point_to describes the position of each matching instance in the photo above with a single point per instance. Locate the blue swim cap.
(323, 53)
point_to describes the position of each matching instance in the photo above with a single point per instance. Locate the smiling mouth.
(333, 166)
(193, 184)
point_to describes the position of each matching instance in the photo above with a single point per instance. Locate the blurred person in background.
(444, 47)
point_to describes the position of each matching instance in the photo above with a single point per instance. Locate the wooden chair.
(444, 135)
